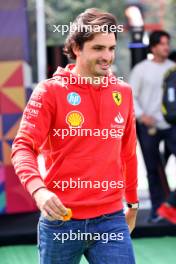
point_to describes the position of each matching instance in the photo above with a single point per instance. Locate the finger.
(51, 213)
(55, 208)
(46, 215)
(62, 208)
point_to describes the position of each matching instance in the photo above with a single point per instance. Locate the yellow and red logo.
(75, 119)
(117, 96)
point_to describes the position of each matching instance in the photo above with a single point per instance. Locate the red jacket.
(103, 155)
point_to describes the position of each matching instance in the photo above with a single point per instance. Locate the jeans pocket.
(50, 223)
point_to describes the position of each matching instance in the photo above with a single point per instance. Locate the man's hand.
(49, 204)
(147, 120)
(130, 216)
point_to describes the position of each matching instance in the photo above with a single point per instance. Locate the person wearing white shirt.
(146, 79)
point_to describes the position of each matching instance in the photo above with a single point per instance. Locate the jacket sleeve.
(129, 157)
(32, 133)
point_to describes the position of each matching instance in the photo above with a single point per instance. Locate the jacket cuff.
(34, 185)
(131, 196)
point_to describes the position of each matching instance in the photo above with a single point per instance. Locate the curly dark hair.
(88, 21)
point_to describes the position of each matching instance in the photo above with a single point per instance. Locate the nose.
(107, 55)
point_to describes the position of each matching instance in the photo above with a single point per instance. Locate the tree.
(64, 12)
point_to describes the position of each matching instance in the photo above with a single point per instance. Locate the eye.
(113, 48)
(97, 48)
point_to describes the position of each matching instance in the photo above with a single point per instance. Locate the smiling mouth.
(104, 66)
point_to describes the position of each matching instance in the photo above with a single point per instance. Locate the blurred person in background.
(167, 209)
(146, 79)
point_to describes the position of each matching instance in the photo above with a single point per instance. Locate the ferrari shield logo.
(117, 96)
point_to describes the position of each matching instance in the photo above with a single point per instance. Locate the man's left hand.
(130, 216)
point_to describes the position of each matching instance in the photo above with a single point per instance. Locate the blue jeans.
(102, 240)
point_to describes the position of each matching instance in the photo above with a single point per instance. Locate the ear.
(76, 49)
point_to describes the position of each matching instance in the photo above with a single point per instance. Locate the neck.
(159, 59)
(78, 71)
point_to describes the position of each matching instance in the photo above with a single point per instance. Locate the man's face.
(162, 49)
(97, 55)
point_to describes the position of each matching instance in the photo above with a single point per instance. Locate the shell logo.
(75, 119)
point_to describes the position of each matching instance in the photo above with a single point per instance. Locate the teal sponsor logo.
(74, 98)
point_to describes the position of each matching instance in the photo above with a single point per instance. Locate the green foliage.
(63, 12)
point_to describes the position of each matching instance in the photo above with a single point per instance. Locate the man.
(146, 80)
(86, 133)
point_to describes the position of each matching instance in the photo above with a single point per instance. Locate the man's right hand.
(147, 120)
(49, 204)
